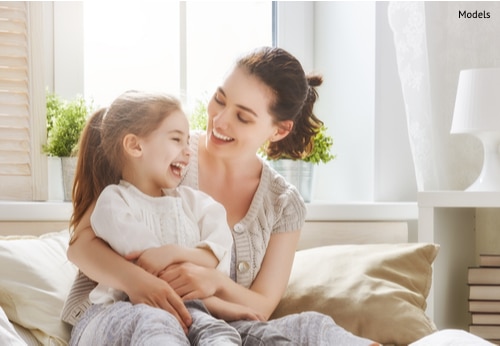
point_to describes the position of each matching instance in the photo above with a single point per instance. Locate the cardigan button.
(243, 267)
(238, 228)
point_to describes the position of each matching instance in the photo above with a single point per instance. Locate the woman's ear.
(132, 145)
(284, 128)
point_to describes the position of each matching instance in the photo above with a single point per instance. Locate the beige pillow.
(375, 291)
(35, 278)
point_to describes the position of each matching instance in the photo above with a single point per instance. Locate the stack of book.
(484, 298)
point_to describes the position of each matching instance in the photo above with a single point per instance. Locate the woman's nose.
(221, 119)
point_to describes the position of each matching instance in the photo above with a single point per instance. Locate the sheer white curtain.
(433, 43)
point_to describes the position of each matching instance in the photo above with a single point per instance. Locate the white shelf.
(447, 218)
(457, 199)
(363, 211)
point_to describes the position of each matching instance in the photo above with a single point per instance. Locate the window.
(178, 47)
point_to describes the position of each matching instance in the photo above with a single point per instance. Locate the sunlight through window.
(181, 48)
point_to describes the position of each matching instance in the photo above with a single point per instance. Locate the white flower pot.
(68, 175)
(55, 184)
(298, 173)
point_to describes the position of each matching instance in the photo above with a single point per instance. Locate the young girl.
(265, 98)
(139, 147)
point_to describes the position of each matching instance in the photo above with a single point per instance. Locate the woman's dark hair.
(100, 150)
(294, 97)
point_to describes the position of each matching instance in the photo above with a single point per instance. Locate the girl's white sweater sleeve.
(215, 233)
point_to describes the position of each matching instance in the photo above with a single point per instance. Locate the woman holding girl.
(265, 98)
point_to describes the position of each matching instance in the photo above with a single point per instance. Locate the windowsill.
(362, 211)
(35, 211)
(316, 211)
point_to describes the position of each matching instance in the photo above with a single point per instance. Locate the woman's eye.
(240, 118)
(217, 99)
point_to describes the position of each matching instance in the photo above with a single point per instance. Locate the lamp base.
(489, 179)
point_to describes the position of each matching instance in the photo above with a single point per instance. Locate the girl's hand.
(154, 260)
(191, 281)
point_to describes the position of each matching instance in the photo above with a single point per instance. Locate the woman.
(266, 98)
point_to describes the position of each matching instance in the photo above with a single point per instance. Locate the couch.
(376, 289)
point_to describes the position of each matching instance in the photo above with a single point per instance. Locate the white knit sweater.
(276, 207)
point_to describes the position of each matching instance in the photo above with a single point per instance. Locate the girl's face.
(165, 153)
(238, 118)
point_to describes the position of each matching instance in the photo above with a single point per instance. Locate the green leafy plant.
(65, 122)
(322, 145)
(320, 153)
(198, 118)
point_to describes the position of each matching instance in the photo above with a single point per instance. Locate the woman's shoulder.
(278, 186)
(282, 198)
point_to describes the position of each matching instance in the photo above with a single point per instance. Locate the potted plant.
(65, 122)
(300, 172)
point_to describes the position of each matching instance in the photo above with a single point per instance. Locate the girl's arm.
(100, 263)
(263, 296)
(154, 260)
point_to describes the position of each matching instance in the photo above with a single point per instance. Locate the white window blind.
(22, 103)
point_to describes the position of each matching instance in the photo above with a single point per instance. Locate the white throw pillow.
(36, 277)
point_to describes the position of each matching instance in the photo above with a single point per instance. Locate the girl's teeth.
(180, 166)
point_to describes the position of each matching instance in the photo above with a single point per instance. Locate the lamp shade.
(477, 104)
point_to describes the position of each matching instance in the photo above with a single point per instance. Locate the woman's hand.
(231, 311)
(157, 293)
(192, 281)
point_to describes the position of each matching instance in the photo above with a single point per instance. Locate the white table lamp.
(477, 112)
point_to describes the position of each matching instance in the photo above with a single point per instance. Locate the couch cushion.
(35, 278)
(375, 291)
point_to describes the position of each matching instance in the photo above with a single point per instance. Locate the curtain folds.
(433, 43)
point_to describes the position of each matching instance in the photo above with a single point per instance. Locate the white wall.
(68, 48)
(361, 103)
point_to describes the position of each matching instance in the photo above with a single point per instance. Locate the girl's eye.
(176, 139)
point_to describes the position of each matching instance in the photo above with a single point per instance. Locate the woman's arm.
(230, 311)
(100, 263)
(191, 281)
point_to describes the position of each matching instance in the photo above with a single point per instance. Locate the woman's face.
(238, 118)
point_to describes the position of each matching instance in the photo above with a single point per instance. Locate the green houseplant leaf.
(65, 122)
(322, 145)
(320, 152)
